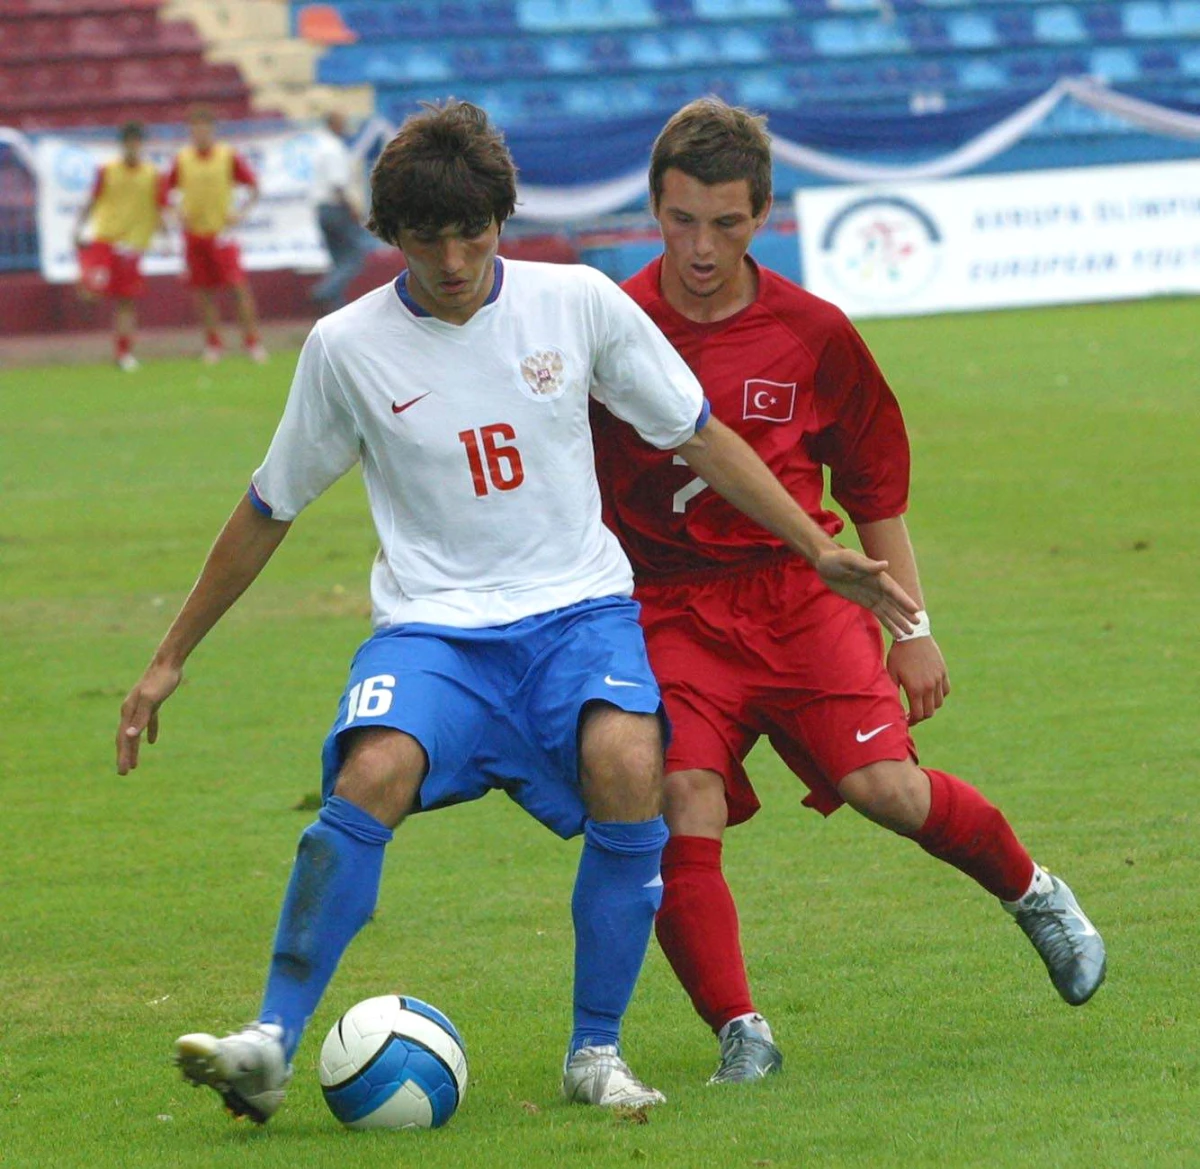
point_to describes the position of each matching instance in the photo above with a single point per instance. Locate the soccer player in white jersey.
(507, 651)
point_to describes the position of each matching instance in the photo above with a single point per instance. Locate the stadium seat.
(971, 30)
(1058, 24)
(1147, 18)
(1114, 64)
(322, 24)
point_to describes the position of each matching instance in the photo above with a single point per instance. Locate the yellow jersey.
(206, 181)
(125, 208)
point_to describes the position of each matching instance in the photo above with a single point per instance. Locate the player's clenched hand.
(864, 581)
(918, 667)
(139, 712)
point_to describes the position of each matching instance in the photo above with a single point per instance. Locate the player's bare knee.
(891, 792)
(381, 771)
(621, 764)
(694, 803)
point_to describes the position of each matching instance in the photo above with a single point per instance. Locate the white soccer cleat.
(211, 354)
(128, 363)
(247, 1069)
(598, 1075)
(1064, 937)
(258, 353)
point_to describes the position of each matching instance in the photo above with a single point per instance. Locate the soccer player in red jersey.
(206, 173)
(123, 211)
(744, 638)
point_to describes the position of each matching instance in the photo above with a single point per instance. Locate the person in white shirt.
(507, 652)
(336, 205)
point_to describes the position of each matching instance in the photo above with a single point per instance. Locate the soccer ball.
(393, 1062)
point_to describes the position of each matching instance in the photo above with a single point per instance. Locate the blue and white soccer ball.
(393, 1062)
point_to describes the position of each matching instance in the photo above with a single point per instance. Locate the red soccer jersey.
(792, 376)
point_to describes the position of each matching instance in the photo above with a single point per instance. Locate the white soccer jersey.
(474, 439)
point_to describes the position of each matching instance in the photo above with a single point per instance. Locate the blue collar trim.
(405, 296)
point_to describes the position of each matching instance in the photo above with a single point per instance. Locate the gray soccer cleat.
(247, 1069)
(598, 1075)
(1068, 943)
(747, 1054)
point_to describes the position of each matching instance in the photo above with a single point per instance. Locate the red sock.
(697, 928)
(965, 831)
(212, 339)
(251, 339)
(124, 344)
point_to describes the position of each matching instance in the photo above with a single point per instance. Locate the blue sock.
(332, 893)
(617, 892)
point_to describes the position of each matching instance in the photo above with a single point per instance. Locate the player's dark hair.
(202, 114)
(131, 130)
(714, 143)
(447, 165)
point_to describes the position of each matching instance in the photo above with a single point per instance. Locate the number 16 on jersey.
(494, 462)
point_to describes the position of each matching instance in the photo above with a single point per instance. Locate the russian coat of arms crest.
(543, 373)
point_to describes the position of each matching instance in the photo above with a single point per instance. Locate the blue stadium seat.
(1186, 15)
(743, 46)
(981, 74)
(1114, 64)
(1189, 63)
(650, 51)
(836, 38)
(565, 55)
(971, 30)
(1058, 24)
(763, 89)
(1147, 18)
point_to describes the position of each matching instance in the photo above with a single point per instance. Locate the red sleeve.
(862, 438)
(98, 185)
(170, 181)
(242, 172)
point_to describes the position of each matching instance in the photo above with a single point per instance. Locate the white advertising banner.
(999, 241)
(280, 231)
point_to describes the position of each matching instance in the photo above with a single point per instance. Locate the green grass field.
(1055, 513)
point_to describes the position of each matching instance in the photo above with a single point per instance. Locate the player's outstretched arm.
(730, 467)
(240, 553)
(915, 664)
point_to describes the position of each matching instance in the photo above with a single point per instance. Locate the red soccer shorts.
(213, 261)
(110, 271)
(771, 651)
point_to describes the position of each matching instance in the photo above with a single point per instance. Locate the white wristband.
(920, 628)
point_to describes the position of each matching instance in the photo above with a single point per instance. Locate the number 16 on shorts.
(370, 698)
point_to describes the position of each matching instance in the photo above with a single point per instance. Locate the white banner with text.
(1000, 241)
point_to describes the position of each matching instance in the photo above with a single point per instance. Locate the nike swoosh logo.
(609, 680)
(411, 402)
(870, 734)
(1089, 930)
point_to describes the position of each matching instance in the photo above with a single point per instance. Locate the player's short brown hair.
(131, 130)
(715, 143)
(447, 165)
(202, 113)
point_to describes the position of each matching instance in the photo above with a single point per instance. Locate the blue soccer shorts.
(499, 707)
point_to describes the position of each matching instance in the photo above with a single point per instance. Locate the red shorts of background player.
(110, 271)
(771, 651)
(213, 261)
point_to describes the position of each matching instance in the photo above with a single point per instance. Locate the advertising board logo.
(882, 248)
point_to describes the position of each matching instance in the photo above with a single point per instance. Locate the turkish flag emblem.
(770, 401)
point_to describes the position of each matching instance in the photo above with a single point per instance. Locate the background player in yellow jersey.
(124, 210)
(206, 173)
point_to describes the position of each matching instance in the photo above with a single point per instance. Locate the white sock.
(754, 1021)
(1039, 885)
